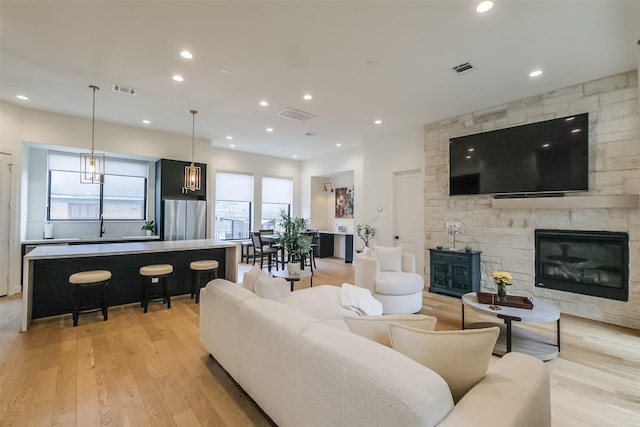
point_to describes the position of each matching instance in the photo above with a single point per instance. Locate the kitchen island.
(46, 290)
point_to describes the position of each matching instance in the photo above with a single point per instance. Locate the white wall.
(20, 125)
(383, 157)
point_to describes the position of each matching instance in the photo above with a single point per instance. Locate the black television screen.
(544, 157)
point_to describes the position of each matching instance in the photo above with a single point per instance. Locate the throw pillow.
(269, 287)
(359, 300)
(252, 276)
(461, 358)
(390, 258)
(376, 328)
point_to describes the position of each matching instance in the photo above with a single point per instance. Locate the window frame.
(215, 215)
(100, 199)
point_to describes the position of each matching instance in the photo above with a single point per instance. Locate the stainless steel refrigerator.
(185, 219)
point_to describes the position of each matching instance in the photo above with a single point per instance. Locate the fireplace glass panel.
(591, 263)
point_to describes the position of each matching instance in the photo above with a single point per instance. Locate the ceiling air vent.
(459, 69)
(124, 89)
(292, 113)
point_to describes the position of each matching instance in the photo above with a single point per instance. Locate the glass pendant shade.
(92, 164)
(192, 172)
(91, 168)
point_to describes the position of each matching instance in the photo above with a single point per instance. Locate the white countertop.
(103, 249)
(81, 240)
(342, 233)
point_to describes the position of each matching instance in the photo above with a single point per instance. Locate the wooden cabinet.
(454, 273)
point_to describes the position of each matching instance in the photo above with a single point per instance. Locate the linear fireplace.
(594, 263)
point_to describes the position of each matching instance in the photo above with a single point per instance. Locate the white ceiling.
(361, 60)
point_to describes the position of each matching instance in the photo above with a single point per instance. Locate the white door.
(408, 217)
(5, 215)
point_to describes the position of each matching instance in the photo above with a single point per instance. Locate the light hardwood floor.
(141, 369)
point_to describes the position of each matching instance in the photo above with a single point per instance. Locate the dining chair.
(263, 249)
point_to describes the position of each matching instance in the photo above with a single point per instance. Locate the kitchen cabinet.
(170, 180)
(454, 273)
(170, 187)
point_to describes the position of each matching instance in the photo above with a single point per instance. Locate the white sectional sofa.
(300, 364)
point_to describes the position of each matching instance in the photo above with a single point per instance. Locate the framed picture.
(344, 202)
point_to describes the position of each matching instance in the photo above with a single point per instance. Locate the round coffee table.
(294, 277)
(514, 338)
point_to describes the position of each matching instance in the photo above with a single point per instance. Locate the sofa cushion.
(399, 283)
(252, 276)
(347, 380)
(376, 328)
(272, 287)
(321, 302)
(460, 357)
(390, 257)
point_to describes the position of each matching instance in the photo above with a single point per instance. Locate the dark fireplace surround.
(594, 263)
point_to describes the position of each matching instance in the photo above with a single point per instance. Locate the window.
(276, 198)
(123, 194)
(234, 193)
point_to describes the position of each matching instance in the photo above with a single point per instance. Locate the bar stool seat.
(153, 276)
(85, 280)
(207, 266)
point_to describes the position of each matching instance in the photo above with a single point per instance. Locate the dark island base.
(53, 295)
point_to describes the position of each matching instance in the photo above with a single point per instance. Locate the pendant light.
(92, 164)
(192, 172)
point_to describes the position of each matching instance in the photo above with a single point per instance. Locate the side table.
(518, 339)
(293, 277)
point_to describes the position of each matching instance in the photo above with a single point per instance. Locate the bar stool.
(152, 277)
(85, 280)
(245, 248)
(197, 268)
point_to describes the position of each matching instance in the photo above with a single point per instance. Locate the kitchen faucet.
(102, 231)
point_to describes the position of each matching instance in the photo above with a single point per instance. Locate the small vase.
(294, 268)
(149, 232)
(502, 292)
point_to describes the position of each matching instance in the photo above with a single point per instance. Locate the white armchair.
(391, 277)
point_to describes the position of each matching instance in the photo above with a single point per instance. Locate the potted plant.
(292, 240)
(366, 232)
(149, 227)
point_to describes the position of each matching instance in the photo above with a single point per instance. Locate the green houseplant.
(149, 227)
(291, 237)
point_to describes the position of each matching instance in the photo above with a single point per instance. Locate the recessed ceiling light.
(535, 73)
(186, 54)
(307, 97)
(378, 122)
(229, 137)
(263, 103)
(338, 145)
(269, 129)
(23, 97)
(295, 156)
(225, 71)
(146, 122)
(484, 6)
(232, 145)
(178, 78)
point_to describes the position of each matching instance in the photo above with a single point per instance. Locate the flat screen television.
(543, 158)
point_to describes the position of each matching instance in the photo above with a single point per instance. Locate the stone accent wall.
(506, 236)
